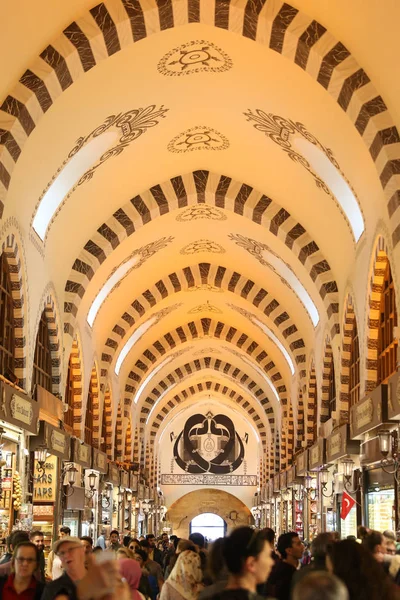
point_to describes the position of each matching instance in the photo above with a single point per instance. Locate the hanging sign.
(45, 485)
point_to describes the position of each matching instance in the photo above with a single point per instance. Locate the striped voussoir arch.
(195, 275)
(94, 380)
(107, 418)
(300, 418)
(186, 395)
(194, 330)
(49, 311)
(228, 370)
(328, 365)
(381, 260)
(76, 374)
(199, 187)
(312, 407)
(349, 323)
(12, 255)
(110, 27)
(128, 442)
(118, 449)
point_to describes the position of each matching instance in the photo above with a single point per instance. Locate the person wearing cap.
(54, 569)
(71, 553)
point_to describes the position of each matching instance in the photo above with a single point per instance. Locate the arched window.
(7, 344)
(42, 369)
(89, 416)
(332, 390)
(69, 396)
(103, 440)
(354, 367)
(387, 344)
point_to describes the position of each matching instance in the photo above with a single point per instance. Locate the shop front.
(79, 499)
(368, 417)
(341, 451)
(50, 453)
(19, 419)
(113, 482)
(321, 506)
(277, 504)
(133, 484)
(286, 503)
(300, 500)
(125, 500)
(297, 516)
(102, 510)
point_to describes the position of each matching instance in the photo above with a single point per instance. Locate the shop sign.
(81, 453)
(141, 491)
(316, 455)
(369, 413)
(43, 513)
(133, 482)
(113, 474)
(291, 474)
(394, 397)
(18, 409)
(283, 480)
(338, 444)
(301, 463)
(147, 493)
(124, 479)
(57, 442)
(100, 461)
(45, 485)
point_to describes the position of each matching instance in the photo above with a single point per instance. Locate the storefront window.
(42, 369)
(6, 320)
(380, 507)
(387, 344)
(89, 416)
(354, 383)
(69, 396)
(332, 390)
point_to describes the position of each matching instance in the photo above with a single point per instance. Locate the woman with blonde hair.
(184, 582)
(123, 552)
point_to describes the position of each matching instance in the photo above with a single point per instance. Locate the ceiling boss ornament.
(198, 138)
(197, 56)
(201, 211)
(202, 246)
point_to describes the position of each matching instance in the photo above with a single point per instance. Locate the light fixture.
(120, 498)
(306, 490)
(106, 496)
(348, 472)
(92, 482)
(40, 458)
(128, 496)
(70, 472)
(323, 479)
(389, 444)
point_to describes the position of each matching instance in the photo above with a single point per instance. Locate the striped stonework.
(136, 446)
(200, 388)
(192, 331)
(118, 449)
(328, 366)
(312, 407)
(375, 296)
(107, 415)
(300, 418)
(12, 254)
(108, 28)
(192, 189)
(96, 409)
(240, 378)
(348, 325)
(55, 343)
(76, 373)
(128, 443)
(191, 277)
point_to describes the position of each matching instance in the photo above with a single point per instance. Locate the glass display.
(299, 527)
(380, 510)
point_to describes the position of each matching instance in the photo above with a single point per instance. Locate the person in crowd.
(114, 540)
(140, 556)
(87, 543)
(22, 583)
(154, 570)
(199, 541)
(390, 547)
(12, 542)
(306, 558)
(319, 550)
(164, 537)
(154, 553)
(123, 553)
(374, 543)
(317, 585)
(97, 549)
(362, 532)
(181, 547)
(184, 582)
(54, 569)
(71, 553)
(101, 540)
(291, 549)
(37, 538)
(130, 570)
(247, 555)
(126, 541)
(394, 569)
(141, 538)
(270, 533)
(173, 544)
(216, 571)
(359, 570)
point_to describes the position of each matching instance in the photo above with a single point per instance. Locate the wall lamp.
(70, 472)
(349, 474)
(323, 478)
(305, 491)
(92, 483)
(389, 443)
(41, 457)
(106, 496)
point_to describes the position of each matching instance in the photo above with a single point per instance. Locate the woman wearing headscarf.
(130, 570)
(184, 582)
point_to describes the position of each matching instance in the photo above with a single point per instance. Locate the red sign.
(347, 504)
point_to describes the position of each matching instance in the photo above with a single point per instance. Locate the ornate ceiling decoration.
(199, 137)
(197, 56)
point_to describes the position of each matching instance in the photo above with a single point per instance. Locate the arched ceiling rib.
(278, 25)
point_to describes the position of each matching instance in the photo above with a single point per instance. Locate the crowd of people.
(246, 565)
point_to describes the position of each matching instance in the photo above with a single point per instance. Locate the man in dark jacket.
(71, 552)
(279, 583)
(319, 549)
(37, 538)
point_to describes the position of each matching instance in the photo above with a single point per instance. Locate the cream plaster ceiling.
(259, 79)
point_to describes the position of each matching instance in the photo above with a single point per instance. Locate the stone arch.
(107, 416)
(380, 261)
(300, 418)
(11, 251)
(48, 307)
(328, 364)
(118, 449)
(128, 442)
(94, 385)
(349, 323)
(219, 191)
(312, 406)
(201, 275)
(229, 507)
(77, 383)
(276, 25)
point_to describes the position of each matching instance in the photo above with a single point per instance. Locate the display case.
(299, 521)
(380, 510)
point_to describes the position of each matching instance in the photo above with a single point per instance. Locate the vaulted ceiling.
(225, 165)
